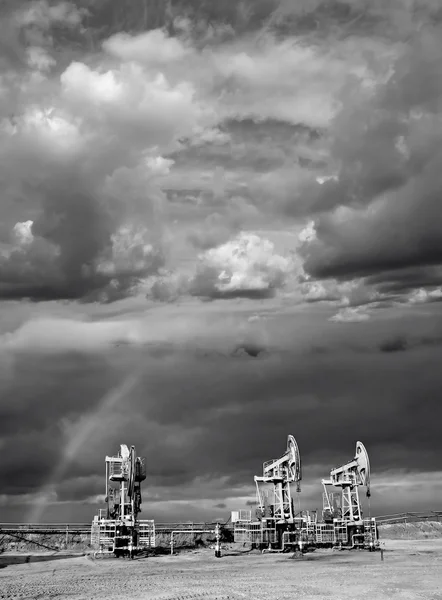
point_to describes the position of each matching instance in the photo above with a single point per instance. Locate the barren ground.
(410, 570)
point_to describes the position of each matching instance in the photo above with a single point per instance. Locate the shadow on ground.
(7, 560)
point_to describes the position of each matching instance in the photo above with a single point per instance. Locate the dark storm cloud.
(80, 488)
(397, 344)
(31, 457)
(389, 182)
(32, 382)
(239, 412)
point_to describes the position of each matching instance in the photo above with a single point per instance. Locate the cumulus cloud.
(23, 232)
(84, 160)
(354, 293)
(422, 296)
(245, 266)
(141, 107)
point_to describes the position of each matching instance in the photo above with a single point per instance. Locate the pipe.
(353, 545)
(187, 531)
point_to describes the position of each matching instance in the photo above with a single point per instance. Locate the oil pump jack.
(276, 510)
(280, 473)
(119, 531)
(128, 471)
(348, 478)
(346, 507)
(279, 528)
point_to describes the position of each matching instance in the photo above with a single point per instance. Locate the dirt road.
(410, 570)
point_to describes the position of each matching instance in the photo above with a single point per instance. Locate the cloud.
(421, 296)
(406, 342)
(168, 330)
(233, 214)
(45, 333)
(246, 266)
(168, 287)
(390, 173)
(398, 344)
(76, 247)
(140, 106)
(31, 30)
(43, 15)
(214, 231)
(84, 161)
(150, 47)
(260, 80)
(350, 315)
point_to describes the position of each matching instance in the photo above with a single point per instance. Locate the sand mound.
(417, 530)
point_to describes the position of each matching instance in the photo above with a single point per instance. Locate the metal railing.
(86, 527)
(46, 527)
(407, 517)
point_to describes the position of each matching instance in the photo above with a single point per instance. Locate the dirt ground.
(410, 570)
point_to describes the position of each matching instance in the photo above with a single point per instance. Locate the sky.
(220, 224)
